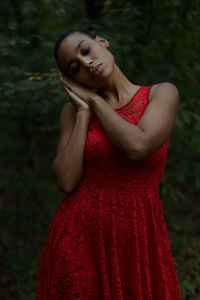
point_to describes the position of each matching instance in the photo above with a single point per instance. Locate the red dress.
(108, 238)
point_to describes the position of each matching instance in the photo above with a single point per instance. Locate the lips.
(97, 69)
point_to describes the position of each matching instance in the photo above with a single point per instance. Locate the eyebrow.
(76, 50)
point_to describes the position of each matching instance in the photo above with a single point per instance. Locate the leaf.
(189, 286)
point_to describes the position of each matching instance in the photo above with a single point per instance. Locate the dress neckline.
(126, 104)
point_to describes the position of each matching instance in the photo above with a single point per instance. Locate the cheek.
(111, 58)
(108, 61)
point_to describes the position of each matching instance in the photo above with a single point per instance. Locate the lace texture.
(108, 238)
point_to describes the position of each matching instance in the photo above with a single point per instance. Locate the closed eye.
(84, 51)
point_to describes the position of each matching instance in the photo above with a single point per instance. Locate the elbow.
(61, 185)
(63, 188)
(67, 185)
(138, 153)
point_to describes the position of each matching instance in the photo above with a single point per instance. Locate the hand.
(80, 105)
(84, 93)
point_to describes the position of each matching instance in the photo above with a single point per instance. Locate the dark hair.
(63, 36)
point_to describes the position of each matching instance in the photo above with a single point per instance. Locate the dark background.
(153, 41)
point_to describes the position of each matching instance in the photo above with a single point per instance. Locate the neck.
(117, 88)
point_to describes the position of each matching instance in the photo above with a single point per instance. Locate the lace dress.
(108, 238)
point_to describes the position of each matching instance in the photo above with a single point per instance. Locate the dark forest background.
(153, 41)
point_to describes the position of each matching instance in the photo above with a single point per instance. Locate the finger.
(62, 80)
(61, 76)
(68, 80)
(68, 89)
(65, 83)
(75, 97)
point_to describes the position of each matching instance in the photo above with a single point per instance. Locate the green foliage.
(152, 42)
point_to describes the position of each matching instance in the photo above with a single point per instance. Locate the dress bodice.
(101, 156)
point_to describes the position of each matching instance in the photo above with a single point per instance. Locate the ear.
(102, 41)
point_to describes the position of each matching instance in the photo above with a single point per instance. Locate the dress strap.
(136, 106)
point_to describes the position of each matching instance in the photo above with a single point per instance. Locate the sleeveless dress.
(108, 238)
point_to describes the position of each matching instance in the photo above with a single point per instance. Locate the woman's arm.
(138, 141)
(67, 167)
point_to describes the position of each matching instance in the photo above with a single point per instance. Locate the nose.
(87, 63)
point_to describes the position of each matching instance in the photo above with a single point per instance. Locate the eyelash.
(84, 52)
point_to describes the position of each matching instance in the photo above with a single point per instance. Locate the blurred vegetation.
(153, 41)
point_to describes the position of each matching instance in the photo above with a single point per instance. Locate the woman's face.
(78, 55)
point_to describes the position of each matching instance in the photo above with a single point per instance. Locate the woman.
(108, 238)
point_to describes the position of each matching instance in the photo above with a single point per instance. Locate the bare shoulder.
(165, 90)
